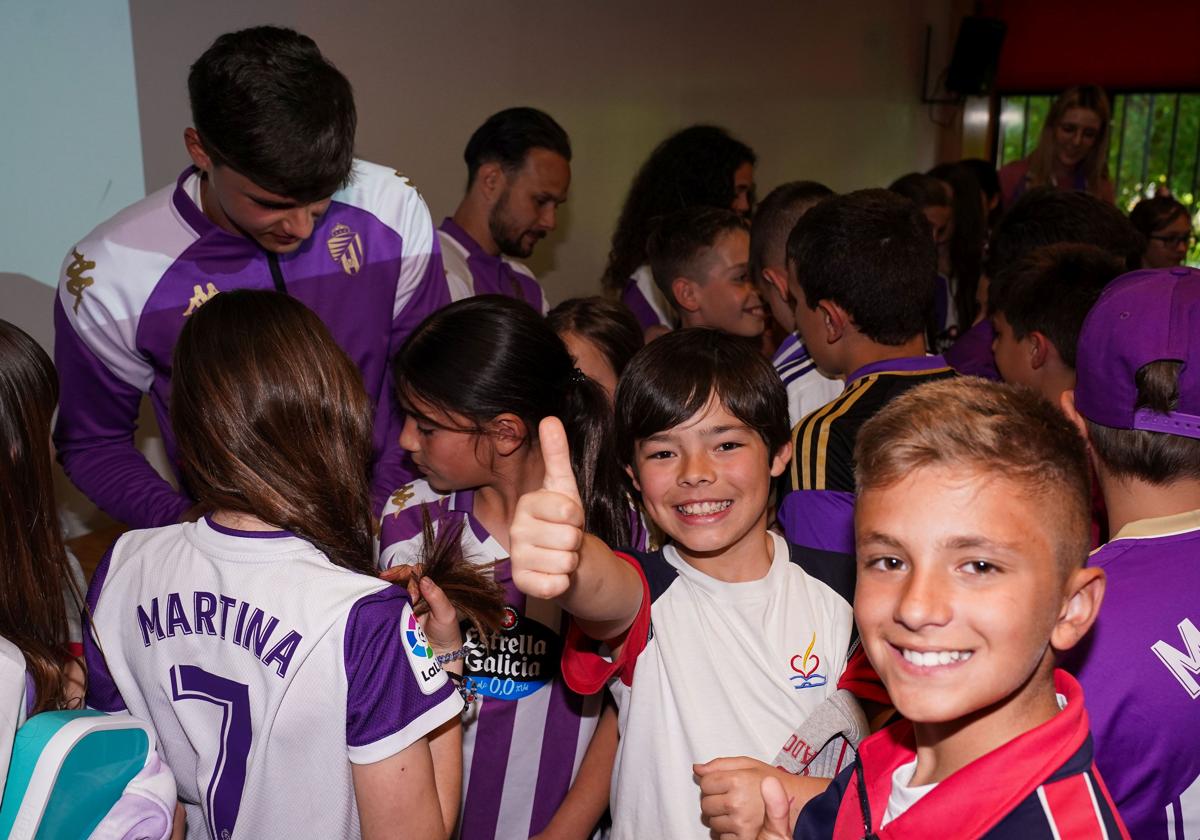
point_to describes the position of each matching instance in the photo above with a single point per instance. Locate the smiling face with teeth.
(706, 483)
(962, 600)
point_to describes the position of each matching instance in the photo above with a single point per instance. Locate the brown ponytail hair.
(272, 420)
(33, 561)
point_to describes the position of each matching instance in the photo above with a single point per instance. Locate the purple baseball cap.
(1141, 317)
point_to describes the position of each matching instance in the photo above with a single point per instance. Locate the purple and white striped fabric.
(525, 737)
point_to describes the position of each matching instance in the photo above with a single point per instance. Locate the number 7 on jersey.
(223, 798)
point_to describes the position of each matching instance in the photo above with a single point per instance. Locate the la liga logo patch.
(806, 668)
(420, 654)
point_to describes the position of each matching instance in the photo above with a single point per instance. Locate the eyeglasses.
(1176, 239)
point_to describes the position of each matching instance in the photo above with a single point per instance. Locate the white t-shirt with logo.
(719, 669)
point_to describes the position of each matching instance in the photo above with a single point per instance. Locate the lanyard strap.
(863, 801)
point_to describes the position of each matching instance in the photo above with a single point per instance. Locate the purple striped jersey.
(266, 671)
(526, 735)
(647, 303)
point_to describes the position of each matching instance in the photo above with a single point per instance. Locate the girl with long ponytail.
(259, 641)
(475, 380)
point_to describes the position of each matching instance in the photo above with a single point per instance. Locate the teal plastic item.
(68, 769)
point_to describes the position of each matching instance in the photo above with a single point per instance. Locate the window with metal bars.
(1155, 145)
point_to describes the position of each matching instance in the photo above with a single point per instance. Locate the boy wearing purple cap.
(1137, 399)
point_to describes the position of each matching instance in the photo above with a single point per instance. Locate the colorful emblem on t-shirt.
(522, 657)
(806, 668)
(345, 246)
(420, 653)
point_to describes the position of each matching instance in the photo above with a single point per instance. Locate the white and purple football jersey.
(1140, 671)
(472, 271)
(372, 271)
(265, 670)
(647, 303)
(807, 388)
(525, 737)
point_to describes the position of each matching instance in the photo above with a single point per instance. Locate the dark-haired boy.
(273, 200)
(726, 638)
(518, 173)
(861, 269)
(972, 535)
(700, 260)
(1137, 399)
(807, 388)
(1042, 216)
(1037, 308)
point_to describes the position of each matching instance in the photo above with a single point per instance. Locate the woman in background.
(1072, 151)
(699, 166)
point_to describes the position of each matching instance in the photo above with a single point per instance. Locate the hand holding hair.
(547, 529)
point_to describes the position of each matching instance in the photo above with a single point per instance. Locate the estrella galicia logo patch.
(420, 653)
(806, 668)
(520, 659)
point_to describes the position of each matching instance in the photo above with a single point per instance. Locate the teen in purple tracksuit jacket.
(371, 270)
(275, 201)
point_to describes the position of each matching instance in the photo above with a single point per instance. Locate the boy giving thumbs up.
(723, 641)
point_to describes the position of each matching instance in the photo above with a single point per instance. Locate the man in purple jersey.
(274, 200)
(518, 173)
(1137, 400)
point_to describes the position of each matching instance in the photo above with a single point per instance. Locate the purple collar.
(463, 501)
(455, 231)
(910, 364)
(254, 535)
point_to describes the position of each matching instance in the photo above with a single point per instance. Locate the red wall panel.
(1053, 44)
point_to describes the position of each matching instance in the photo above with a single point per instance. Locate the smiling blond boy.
(972, 533)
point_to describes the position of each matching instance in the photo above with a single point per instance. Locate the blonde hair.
(1006, 431)
(1095, 165)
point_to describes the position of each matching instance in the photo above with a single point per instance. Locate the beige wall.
(826, 90)
(821, 90)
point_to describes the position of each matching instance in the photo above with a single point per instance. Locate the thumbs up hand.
(547, 530)
(777, 805)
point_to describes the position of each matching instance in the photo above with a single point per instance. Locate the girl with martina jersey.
(474, 380)
(294, 694)
(37, 671)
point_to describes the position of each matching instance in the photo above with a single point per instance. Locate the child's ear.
(781, 459)
(629, 471)
(777, 280)
(685, 292)
(508, 433)
(837, 321)
(1084, 591)
(1040, 349)
(1067, 403)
